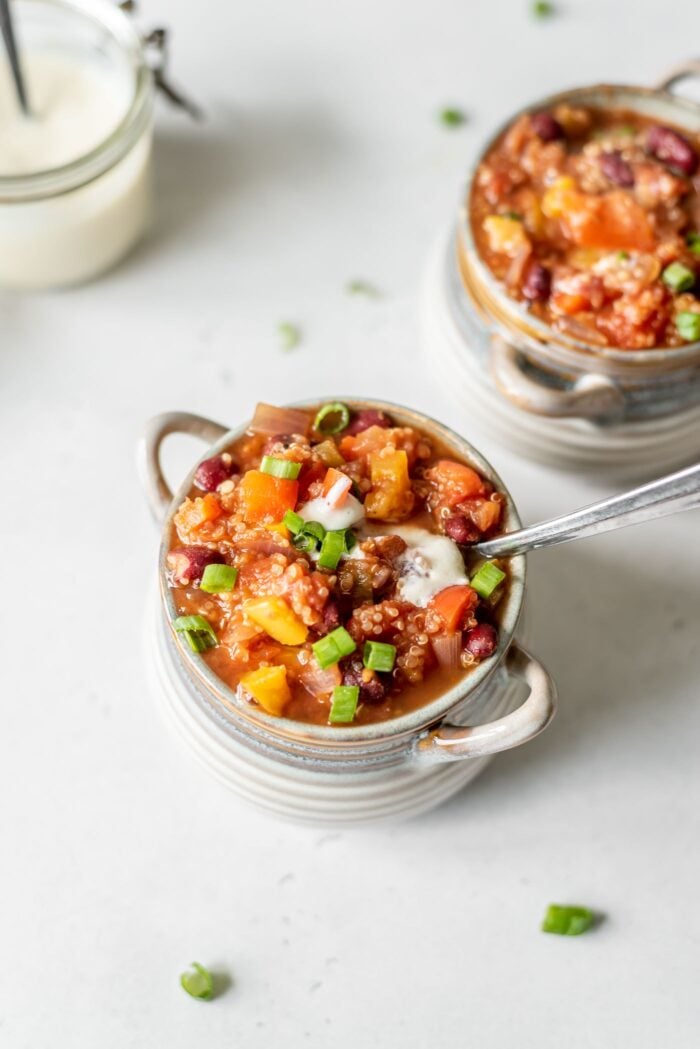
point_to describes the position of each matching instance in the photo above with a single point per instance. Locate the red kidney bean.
(366, 418)
(187, 563)
(537, 283)
(671, 148)
(459, 528)
(546, 127)
(372, 691)
(481, 641)
(330, 618)
(615, 167)
(210, 473)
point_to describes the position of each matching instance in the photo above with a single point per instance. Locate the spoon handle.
(11, 47)
(667, 495)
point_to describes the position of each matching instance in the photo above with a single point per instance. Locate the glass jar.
(335, 774)
(544, 392)
(64, 224)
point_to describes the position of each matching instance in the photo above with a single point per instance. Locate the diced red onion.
(447, 649)
(273, 420)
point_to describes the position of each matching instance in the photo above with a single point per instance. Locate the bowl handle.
(680, 72)
(156, 430)
(452, 742)
(590, 397)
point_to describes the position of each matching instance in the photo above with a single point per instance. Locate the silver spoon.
(667, 495)
(8, 34)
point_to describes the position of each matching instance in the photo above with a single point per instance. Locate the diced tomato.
(453, 605)
(355, 446)
(485, 513)
(265, 498)
(614, 221)
(311, 472)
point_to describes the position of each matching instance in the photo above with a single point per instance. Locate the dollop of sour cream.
(333, 518)
(429, 564)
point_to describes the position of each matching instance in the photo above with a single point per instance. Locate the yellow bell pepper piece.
(505, 235)
(560, 198)
(276, 618)
(279, 529)
(390, 497)
(268, 687)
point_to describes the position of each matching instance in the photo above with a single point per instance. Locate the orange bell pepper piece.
(452, 604)
(265, 498)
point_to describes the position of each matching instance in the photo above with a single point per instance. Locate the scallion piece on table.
(693, 242)
(289, 334)
(542, 9)
(333, 647)
(284, 468)
(293, 522)
(487, 579)
(218, 579)
(332, 418)
(198, 983)
(678, 277)
(378, 655)
(344, 704)
(362, 287)
(565, 920)
(688, 325)
(198, 631)
(452, 117)
(332, 549)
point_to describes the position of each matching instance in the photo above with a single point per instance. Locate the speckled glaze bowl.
(333, 774)
(550, 395)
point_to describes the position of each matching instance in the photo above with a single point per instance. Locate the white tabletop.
(322, 160)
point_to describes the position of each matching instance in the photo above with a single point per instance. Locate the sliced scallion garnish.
(678, 277)
(362, 287)
(542, 9)
(344, 704)
(218, 579)
(289, 334)
(567, 920)
(293, 522)
(332, 418)
(693, 242)
(487, 579)
(198, 983)
(333, 647)
(332, 549)
(198, 631)
(284, 468)
(688, 325)
(378, 655)
(452, 117)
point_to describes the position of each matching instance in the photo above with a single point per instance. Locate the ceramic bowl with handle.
(544, 392)
(334, 774)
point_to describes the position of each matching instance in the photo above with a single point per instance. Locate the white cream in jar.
(74, 174)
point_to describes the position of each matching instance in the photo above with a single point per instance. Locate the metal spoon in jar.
(667, 495)
(8, 34)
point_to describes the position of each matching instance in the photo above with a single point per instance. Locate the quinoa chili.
(591, 217)
(321, 566)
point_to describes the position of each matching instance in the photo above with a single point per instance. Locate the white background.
(322, 161)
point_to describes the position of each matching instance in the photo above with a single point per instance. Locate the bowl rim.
(405, 724)
(670, 357)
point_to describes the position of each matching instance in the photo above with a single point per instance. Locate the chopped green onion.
(567, 920)
(678, 277)
(622, 256)
(361, 287)
(293, 522)
(198, 631)
(289, 334)
(333, 647)
(332, 549)
(343, 704)
(350, 540)
(378, 655)
(688, 325)
(693, 242)
(284, 468)
(198, 984)
(487, 579)
(542, 9)
(332, 418)
(310, 537)
(218, 579)
(452, 117)
(514, 215)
